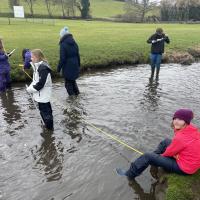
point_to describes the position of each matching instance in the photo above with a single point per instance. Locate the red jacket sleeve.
(174, 148)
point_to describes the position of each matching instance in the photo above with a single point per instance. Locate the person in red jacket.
(180, 155)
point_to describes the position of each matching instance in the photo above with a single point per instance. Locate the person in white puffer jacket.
(41, 86)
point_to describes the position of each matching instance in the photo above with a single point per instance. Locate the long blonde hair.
(2, 46)
(39, 54)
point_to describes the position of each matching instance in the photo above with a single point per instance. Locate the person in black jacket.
(157, 41)
(69, 61)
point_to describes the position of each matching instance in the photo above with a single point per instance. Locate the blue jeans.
(155, 159)
(155, 61)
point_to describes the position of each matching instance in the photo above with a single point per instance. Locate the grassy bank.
(101, 43)
(183, 187)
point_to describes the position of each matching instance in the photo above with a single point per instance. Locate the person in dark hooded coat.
(26, 56)
(5, 81)
(69, 61)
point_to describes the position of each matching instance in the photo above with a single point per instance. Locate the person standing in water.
(26, 56)
(69, 61)
(180, 155)
(157, 41)
(5, 81)
(41, 86)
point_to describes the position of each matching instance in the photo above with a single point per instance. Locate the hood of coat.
(35, 66)
(67, 38)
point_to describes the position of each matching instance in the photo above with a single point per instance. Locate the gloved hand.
(27, 89)
(8, 54)
(59, 71)
(30, 89)
(153, 41)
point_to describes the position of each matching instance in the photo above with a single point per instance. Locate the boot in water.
(152, 73)
(121, 172)
(157, 73)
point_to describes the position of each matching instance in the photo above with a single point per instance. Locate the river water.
(78, 162)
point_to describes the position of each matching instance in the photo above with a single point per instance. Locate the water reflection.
(46, 167)
(12, 111)
(73, 115)
(139, 191)
(151, 95)
(49, 157)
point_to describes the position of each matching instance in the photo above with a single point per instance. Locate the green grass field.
(106, 8)
(99, 8)
(101, 43)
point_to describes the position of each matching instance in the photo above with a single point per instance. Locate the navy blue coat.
(69, 58)
(4, 64)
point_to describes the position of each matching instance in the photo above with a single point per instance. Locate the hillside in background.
(99, 8)
(106, 8)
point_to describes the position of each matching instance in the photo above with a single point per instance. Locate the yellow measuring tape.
(25, 71)
(98, 129)
(114, 138)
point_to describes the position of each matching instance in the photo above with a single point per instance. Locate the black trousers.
(46, 113)
(71, 87)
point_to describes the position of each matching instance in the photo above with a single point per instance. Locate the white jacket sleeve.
(31, 89)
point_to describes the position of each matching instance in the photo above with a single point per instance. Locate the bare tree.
(30, 5)
(181, 10)
(63, 8)
(139, 8)
(50, 5)
(84, 8)
(68, 7)
(12, 3)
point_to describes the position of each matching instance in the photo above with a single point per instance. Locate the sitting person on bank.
(180, 155)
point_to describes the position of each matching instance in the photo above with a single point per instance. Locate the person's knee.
(150, 157)
(166, 141)
(158, 66)
(147, 156)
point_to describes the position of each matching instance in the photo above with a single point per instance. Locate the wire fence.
(14, 21)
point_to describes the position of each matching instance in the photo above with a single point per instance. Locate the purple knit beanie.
(184, 114)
